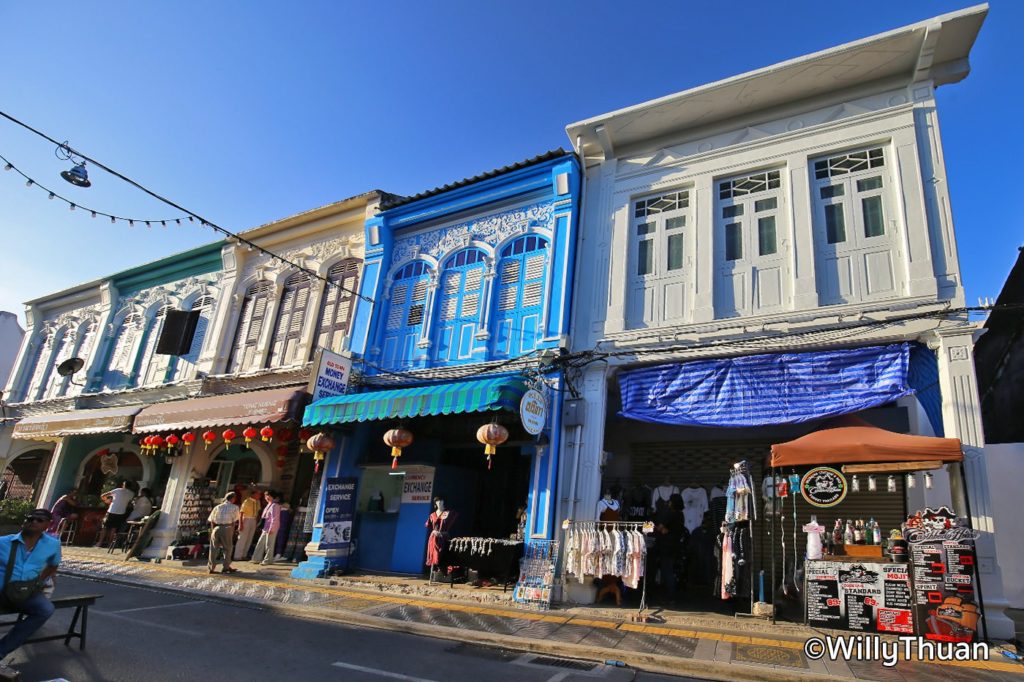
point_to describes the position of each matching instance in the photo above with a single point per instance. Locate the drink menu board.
(867, 597)
(942, 559)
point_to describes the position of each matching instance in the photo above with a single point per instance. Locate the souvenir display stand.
(537, 575)
(856, 586)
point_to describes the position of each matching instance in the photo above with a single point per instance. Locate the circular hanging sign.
(823, 487)
(533, 412)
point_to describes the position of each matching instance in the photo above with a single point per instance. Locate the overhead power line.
(190, 214)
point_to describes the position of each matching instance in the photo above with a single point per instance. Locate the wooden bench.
(80, 603)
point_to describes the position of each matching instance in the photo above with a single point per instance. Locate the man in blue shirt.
(36, 557)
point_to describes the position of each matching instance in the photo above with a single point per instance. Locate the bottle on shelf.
(876, 533)
(837, 533)
(848, 533)
(858, 532)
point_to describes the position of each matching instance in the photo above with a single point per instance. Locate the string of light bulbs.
(73, 154)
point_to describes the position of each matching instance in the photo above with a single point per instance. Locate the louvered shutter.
(153, 367)
(87, 340)
(55, 383)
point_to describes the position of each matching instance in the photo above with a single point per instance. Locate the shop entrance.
(23, 477)
(231, 469)
(488, 501)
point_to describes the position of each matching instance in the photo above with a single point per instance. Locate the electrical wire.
(202, 221)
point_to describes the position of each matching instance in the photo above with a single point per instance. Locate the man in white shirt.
(223, 520)
(118, 500)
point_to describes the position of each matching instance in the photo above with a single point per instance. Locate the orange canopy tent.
(851, 440)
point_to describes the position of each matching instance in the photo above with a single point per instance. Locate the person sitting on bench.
(31, 555)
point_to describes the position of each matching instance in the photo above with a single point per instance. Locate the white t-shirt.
(119, 505)
(695, 503)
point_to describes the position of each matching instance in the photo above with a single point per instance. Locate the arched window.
(53, 383)
(153, 367)
(40, 366)
(407, 307)
(291, 317)
(87, 334)
(459, 305)
(185, 365)
(119, 369)
(336, 308)
(521, 275)
(250, 325)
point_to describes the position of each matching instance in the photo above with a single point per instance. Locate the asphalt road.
(138, 634)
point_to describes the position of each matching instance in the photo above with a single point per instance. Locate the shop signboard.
(942, 558)
(339, 511)
(533, 411)
(823, 487)
(865, 597)
(330, 376)
(418, 486)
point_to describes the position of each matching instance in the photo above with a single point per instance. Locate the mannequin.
(440, 524)
(608, 508)
(661, 495)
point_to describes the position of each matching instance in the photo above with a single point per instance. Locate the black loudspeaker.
(179, 328)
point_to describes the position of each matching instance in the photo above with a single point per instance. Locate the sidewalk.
(702, 645)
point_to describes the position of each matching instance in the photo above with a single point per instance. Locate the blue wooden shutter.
(522, 272)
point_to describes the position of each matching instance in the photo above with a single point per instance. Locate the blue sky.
(247, 112)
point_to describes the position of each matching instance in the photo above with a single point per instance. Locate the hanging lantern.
(285, 435)
(144, 443)
(188, 438)
(282, 450)
(172, 442)
(855, 484)
(249, 434)
(890, 484)
(208, 438)
(911, 481)
(397, 438)
(267, 434)
(491, 435)
(158, 442)
(320, 443)
(228, 436)
(928, 480)
(872, 484)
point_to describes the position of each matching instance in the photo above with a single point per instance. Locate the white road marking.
(382, 673)
(180, 631)
(158, 606)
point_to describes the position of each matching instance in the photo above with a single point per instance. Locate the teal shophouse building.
(466, 294)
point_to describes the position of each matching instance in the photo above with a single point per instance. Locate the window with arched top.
(152, 366)
(336, 306)
(63, 349)
(518, 314)
(406, 309)
(460, 301)
(291, 318)
(84, 342)
(251, 317)
(185, 365)
(119, 368)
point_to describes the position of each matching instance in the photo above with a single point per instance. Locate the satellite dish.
(70, 366)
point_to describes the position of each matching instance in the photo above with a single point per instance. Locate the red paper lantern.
(158, 442)
(282, 450)
(285, 435)
(208, 437)
(249, 434)
(491, 435)
(188, 438)
(267, 434)
(228, 436)
(397, 438)
(171, 441)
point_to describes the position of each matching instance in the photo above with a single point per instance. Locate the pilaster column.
(961, 415)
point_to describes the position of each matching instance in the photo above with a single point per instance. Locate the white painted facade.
(807, 197)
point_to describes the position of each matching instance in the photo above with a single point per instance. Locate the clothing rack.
(743, 468)
(644, 527)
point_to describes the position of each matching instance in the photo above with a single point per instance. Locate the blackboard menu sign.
(866, 597)
(942, 559)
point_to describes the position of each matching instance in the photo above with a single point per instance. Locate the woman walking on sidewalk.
(264, 552)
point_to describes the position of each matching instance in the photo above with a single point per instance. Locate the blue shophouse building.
(466, 300)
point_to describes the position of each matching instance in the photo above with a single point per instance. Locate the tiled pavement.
(748, 654)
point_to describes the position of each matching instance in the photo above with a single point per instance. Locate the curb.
(654, 663)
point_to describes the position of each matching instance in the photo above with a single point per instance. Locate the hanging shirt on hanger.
(695, 504)
(662, 494)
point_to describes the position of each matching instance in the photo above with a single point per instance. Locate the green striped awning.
(481, 395)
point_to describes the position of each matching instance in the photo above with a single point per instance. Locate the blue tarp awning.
(759, 390)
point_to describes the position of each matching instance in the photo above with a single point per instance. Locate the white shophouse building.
(800, 207)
